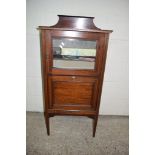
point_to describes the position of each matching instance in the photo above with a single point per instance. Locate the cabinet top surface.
(75, 23)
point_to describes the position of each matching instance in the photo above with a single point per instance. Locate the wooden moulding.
(78, 23)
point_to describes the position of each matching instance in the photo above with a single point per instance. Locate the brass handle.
(73, 77)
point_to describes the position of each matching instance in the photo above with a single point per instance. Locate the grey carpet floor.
(71, 135)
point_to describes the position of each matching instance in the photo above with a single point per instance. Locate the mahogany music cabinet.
(73, 55)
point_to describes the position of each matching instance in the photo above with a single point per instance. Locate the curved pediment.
(80, 23)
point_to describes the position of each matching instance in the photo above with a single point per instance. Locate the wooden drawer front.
(72, 91)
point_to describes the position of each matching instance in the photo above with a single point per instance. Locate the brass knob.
(73, 77)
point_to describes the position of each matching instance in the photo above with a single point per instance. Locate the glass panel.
(74, 53)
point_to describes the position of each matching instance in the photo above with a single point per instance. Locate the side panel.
(44, 37)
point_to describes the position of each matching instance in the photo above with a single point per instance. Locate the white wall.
(109, 14)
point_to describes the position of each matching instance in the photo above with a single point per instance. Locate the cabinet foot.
(47, 124)
(94, 125)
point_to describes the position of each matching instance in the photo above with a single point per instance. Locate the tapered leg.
(94, 125)
(47, 124)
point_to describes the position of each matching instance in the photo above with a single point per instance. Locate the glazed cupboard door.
(72, 92)
(74, 53)
(69, 53)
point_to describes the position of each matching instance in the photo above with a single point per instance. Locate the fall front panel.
(72, 92)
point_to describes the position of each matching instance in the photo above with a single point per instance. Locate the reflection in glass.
(74, 53)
